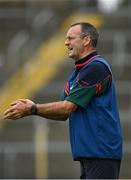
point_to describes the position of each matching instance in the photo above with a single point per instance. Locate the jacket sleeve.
(93, 80)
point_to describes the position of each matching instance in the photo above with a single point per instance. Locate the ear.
(86, 40)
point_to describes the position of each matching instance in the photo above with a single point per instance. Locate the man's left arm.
(54, 110)
(93, 80)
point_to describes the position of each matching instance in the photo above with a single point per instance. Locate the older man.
(89, 101)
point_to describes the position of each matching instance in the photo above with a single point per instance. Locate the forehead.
(74, 30)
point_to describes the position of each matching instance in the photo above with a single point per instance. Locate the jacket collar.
(85, 60)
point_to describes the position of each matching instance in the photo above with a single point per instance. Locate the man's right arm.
(54, 110)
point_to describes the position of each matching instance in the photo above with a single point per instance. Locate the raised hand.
(18, 109)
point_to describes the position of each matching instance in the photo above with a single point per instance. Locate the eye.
(70, 38)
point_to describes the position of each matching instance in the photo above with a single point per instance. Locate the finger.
(8, 111)
(8, 116)
(14, 103)
(17, 117)
(23, 100)
(11, 115)
(14, 116)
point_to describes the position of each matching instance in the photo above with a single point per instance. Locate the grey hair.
(88, 29)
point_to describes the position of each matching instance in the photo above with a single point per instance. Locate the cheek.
(81, 50)
(77, 46)
(80, 47)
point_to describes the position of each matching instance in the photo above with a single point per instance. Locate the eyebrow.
(77, 35)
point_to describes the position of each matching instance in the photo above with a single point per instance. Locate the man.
(90, 104)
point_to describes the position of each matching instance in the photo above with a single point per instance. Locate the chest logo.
(71, 87)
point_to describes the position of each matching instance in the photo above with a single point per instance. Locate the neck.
(86, 59)
(86, 53)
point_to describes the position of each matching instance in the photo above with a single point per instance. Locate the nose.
(66, 42)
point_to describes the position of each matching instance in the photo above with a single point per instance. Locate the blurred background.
(34, 64)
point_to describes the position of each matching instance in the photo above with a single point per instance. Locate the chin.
(71, 55)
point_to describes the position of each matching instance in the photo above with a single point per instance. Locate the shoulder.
(95, 68)
(96, 65)
(94, 72)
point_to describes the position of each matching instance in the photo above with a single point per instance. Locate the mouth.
(70, 48)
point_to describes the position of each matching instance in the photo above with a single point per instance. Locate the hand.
(18, 109)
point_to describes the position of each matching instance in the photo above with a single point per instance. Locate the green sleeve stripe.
(81, 96)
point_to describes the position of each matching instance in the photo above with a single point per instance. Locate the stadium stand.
(34, 147)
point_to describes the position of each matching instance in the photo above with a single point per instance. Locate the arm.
(55, 110)
(93, 80)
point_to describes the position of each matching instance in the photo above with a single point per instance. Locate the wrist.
(33, 110)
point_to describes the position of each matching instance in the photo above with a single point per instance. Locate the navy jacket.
(95, 130)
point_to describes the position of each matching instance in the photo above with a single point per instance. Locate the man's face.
(75, 43)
